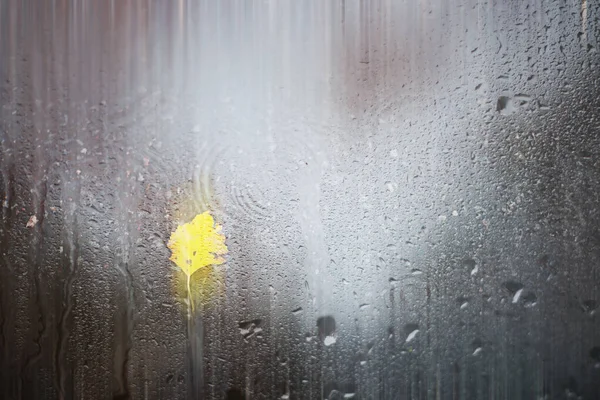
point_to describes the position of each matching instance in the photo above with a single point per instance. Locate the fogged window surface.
(260, 199)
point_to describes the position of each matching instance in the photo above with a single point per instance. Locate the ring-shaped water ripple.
(231, 177)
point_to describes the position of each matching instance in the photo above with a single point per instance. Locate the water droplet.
(523, 98)
(326, 326)
(589, 306)
(32, 221)
(476, 343)
(543, 106)
(595, 353)
(329, 340)
(471, 266)
(412, 335)
(512, 286)
(334, 395)
(250, 328)
(411, 330)
(530, 299)
(517, 296)
(505, 105)
(463, 301)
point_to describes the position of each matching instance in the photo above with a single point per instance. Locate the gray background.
(425, 173)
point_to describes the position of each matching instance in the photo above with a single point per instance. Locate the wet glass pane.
(261, 199)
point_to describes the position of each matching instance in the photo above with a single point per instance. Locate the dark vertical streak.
(3, 348)
(36, 255)
(124, 332)
(195, 367)
(428, 312)
(10, 384)
(430, 350)
(67, 308)
(123, 379)
(456, 381)
(6, 201)
(70, 259)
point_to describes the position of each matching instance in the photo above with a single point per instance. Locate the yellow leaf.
(197, 244)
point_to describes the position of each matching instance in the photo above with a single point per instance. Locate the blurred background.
(409, 191)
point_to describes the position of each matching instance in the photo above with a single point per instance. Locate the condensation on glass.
(409, 192)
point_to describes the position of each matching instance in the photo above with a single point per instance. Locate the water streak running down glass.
(363, 199)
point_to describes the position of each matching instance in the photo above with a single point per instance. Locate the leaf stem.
(189, 297)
